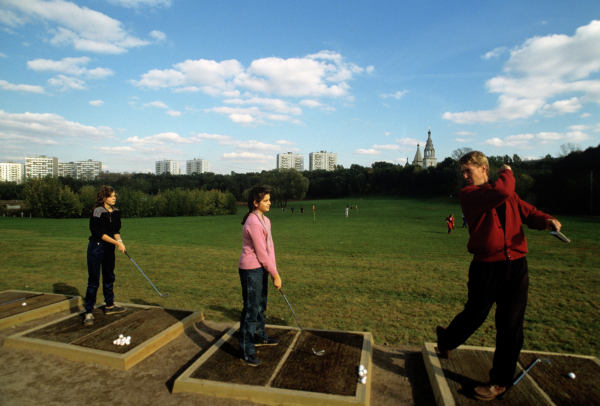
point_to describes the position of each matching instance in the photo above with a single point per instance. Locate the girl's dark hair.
(103, 193)
(256, 195)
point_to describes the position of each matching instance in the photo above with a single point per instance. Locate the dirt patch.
(34, 378)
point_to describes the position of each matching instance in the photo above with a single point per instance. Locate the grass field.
(390, 268)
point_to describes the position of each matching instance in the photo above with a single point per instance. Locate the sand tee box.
(149, 327)
(18, 307)
(452, 379)
(290, 374)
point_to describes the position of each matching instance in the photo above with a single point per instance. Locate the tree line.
(564, 185)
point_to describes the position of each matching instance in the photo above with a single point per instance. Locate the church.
(429, 158)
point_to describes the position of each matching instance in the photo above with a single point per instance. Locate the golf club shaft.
(525, 373)
(12, 301)
(136, 265)
(288, 303)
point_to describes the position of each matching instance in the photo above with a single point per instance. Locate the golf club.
(542, 360)
(318, 353)
(12, 301)
(560, 236)
(136, 265)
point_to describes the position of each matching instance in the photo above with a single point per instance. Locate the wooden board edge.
(441, 390)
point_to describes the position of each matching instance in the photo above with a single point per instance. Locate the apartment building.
(12, 172)
(67, 169)
(88, 170)
(41, 166)
(290, 160)
(167, 166)
(322, 160)
(197, 166)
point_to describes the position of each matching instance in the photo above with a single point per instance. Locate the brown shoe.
(488, 392)
(445, 352)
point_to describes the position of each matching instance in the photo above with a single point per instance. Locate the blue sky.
(130, 82)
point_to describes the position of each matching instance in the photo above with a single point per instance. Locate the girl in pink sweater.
(257, 262)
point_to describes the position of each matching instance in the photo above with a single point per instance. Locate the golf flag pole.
(314, 213)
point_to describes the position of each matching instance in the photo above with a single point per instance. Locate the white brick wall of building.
(197, 166)
(11, 172)
(290, 160)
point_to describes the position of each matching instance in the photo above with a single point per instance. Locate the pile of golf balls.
(122, 340)
(362, 374)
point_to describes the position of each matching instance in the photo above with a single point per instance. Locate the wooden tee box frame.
(122, 361)
(528, 388)
(36, 312)
(271, 395)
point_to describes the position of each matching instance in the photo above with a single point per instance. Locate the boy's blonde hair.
(476, 158)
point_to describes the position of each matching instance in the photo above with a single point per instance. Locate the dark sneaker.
(114, 310)
(88, 320)
(488, 391)
(268, 341)
(445, 352)
(252, 360)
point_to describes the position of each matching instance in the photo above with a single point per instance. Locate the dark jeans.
(255, 284)
(505, 283)
(100, 256)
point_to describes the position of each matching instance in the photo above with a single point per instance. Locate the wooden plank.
(41, 309)
(31, 303)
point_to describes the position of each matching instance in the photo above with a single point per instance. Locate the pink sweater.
(254, 246)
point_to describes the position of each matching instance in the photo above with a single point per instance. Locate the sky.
(131, 82)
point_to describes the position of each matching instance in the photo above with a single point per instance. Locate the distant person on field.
(292, 209)
(450, 223)
(105, 225)
(464, 221)
(347, 210)
(301, 209)
(257, 262)
(498, 273)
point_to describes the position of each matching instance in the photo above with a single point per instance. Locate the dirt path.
(34, 378)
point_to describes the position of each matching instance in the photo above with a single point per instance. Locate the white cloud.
(157, 103)
(174, 113)
(464, 133)
(285, 142)
(367, 152)
(4, 85)
(525, 140)
(26, 139)
(141, 3)
(3, 55)
(495, 53)
(387, 133)
(116, 150)
(585, 115)
(161, 139)
(387, 146)
(67, 83)
(49, 127)
(463, 139)
(158, 35)
(249, 157)
(96, 103)
(70, 25)
(541, 69)
(396, 95)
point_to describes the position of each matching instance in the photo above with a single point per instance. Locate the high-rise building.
(12, 172)
(67, 169)
(41, 166)
(290, 160)
(322, 160)
(167, 166)
(88, 170)
(197, 166)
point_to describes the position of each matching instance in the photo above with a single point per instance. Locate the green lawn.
(390, 268)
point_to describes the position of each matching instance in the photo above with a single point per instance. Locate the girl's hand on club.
(553, 224)
(276, 281)
(121, 247)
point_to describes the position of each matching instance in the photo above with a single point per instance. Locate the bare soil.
(33, 378)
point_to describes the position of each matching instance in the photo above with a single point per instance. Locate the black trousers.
(100, 260)
(505, 283)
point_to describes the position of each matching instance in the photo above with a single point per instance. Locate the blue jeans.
(255, 284)
(100, 256)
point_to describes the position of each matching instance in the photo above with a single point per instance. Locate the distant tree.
(566, 149)
(286, 184)
(87, 197)
(49, 198)
(456, 155)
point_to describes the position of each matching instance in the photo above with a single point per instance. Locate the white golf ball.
(364, 371)
(120, 335)
(115, 342)
(24, 304)
(571, 375)
(361, 367)
(363, 380)
(361, 374)
(129, 337)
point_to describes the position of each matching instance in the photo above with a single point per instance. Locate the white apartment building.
(167, 166)
(290, 160)
(40, 166)
(322, 160)
(11, 172)
(197, 166)
(67, 169)
(88, 170)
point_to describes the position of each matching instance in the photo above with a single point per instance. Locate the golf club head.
(545, 361)
(318, 353)
(165, 295)
(560, 236)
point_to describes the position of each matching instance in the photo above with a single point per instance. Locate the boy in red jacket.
(498, 273)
